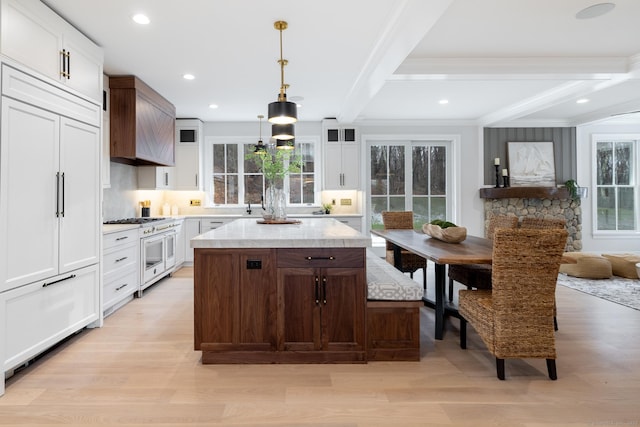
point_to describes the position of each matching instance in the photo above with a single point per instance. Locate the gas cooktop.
(134, 220)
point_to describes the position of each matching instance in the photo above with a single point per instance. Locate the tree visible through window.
(236, 179)
(616, 178)
(424, 192)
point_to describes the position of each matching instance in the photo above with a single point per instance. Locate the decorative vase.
(275, 201)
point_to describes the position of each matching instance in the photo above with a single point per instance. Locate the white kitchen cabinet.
(120, 262)
(34, 35)
(188, 171)
(195, 226)
(155, 177)
(49, 191)
(180, 242)
(341, 156)
(38, 315)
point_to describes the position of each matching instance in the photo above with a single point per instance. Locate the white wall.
(590, 243)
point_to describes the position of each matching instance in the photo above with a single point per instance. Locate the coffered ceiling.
(496, 62)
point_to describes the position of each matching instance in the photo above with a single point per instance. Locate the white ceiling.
(498, 62)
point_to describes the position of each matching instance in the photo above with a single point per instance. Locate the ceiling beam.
(405, 29)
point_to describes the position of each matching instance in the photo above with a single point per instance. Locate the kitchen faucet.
(249, 208)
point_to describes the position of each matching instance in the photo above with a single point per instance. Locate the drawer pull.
(122, 238)
(44, 285)
(311, 258)
(122, 286)
(122, 259)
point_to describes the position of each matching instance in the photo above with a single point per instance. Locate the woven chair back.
(500, 221)
(543, 223)
(525, 270)
(401, 220)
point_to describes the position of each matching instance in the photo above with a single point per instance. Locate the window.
(234, 177)
(425, 192)
(616, 188)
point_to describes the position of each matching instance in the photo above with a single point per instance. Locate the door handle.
(317, 290)
(324, 290)
(62, 212)
(57, 194)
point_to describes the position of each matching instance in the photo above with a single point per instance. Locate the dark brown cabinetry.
(321, 303)
(280, 305)
(235, 303)
(142, 123)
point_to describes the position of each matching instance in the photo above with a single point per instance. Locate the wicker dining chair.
(479, 275)
(515, 318)
(411, 262)
(545, 224)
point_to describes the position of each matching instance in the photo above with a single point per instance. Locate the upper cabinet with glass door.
(341, 145)
(35, 36)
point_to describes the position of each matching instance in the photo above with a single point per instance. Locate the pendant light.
(282, 111)
(284, 132)
(260, 147)
(285, 144)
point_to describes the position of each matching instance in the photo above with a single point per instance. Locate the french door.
(409, 175)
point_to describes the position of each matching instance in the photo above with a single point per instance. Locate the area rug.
(617, 289)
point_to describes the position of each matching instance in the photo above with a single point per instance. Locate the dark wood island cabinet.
(286, 303)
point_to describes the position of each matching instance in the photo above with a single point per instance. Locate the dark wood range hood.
(142, 123)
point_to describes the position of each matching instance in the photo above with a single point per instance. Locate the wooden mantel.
(525, 193)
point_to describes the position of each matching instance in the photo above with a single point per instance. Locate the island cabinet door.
(343, 305)
(299, 309)
(234, 300)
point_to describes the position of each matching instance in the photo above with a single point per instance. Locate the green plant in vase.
(572, 186)
(275, 165)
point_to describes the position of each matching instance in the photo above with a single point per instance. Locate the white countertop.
(309, 233)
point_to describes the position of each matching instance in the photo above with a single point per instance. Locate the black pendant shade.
(283, 112)
(260, 147)
(283, 132)
(282, 144)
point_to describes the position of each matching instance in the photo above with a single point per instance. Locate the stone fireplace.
(537, 202)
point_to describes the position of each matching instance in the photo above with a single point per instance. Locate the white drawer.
(40, 314)
(118, 262)
(120, 238)
(119, 288)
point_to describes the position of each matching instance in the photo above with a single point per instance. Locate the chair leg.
(551, 367)
(424, 278)
(500, 368)
(450, 290)
(463, 333)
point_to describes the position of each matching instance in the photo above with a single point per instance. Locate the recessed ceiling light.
(582, 101)
(140, 18)
(595, 10)
(443, 101)
(213, 106)
(297, 100)
(189, 77)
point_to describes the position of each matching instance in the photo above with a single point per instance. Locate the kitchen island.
(280, 293)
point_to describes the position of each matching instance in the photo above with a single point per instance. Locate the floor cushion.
(587, 266)
(624, 265)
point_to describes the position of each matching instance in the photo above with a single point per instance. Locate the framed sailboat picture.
(531, 164)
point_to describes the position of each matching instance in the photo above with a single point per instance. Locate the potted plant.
(574, 189)
(275, 165)
(327, 208)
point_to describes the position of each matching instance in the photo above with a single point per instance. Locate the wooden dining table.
(473, 250)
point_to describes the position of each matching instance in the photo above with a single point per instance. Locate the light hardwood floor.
(140, 370)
